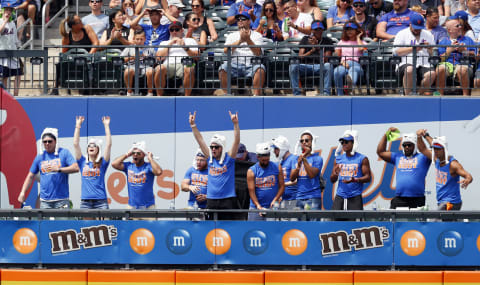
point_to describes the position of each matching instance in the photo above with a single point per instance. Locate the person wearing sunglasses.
(298, 24)
(241, 65)
(140, 175)
(460, 46)
(54, 163)
(93, 167)
(339, 14)
(173, 12)
(195, 181)
(352, 170)
(306, 170)
(311, 62)
(205, 23)
(448, 171)
(248, 6)
(221, 167)
(411, 168)
(378, 8)
(193, 29)
(415, 37)
(173, 51)
(128, 8)
(394, 21)
(367, 23)
(96, 19)
(269, 25)
(265, 183)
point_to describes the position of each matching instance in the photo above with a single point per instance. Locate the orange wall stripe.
(185, 277)
(43, 275)
(388, 277)
(131, 276)
(296, 277)
(461, 277)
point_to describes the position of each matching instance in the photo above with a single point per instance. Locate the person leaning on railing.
(74, 33)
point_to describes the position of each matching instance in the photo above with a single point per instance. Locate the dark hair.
(201, 3)
(358, 30)
(274, 9)
(431, 10)
(187, 18)
(112, 15)
(49, 135)
(138, 31)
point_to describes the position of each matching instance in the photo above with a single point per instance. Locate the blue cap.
(351, 25)
(462, 15)
(244, 13)
(358, 1)
(317, 25)
(346, 138)
(10, 3)
(417, 21)
(453, 17)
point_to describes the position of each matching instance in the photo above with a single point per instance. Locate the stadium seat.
(108, 69)
(383, 74)
(74, 69)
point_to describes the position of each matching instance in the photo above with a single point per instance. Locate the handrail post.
(229, 71)
(45, 71)
(137, 68)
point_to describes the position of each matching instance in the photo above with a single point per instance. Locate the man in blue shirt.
(265, 182)
(281, 149)
(411, 170)
(253, 9)
(155, 32)
(54, 165)
(221, 168)
(195, 181)
(395, 21)
(140, 176)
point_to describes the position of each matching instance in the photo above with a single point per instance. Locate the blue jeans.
(94, 204)
(354, 71)
(308, 70)
(59, 204)
(314, 203)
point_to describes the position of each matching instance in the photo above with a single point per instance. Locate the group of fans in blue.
(295, 182)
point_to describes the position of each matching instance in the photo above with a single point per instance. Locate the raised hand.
(191, 118)
(106, 120)
(79, 120)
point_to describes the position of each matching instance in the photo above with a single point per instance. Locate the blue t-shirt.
(154, 37)
(410, 174)
(197, 178)
(93, 179)
(140, 184)
(239, 7)
(266, 184)
(333, 14)
(287, 164)
(350, 166)
(221, 178)
(397, 21)
(98, 23)
(309, 188)
(455, 56)
(53, 185)
(448, 188)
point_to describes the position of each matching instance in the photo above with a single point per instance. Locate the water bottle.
(374, 206)
(435, 51)
(266, 23)
(129, 11)
(172, 205)
(276, 205)
(286, 28)
(365, 52)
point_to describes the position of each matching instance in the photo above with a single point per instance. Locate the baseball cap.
(155, 8)
(346, 138)
(417, 21)
(351, 25)
(317, 25)
(177, 3)
(244, 13)
(175, 24)
(462, 15)
(241, 150)
(358, 1)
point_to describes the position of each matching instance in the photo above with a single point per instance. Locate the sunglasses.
(407, 145)
(263, 155)
(268, 10)
(95, 1)
(242, 19)
(215, 147)
(344, 142)
(356, 5)
(345, 0)
(196, 20)
(136, 153)
(92, 145)
(305, 141)
(458, 26)
(175, 30)
(128, 4)
(196, 6)
(48, 141)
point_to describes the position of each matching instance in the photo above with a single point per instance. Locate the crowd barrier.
(103, 72)
(117, 277)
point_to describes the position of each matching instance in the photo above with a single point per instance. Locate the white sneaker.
(129, 93)
(150, 94)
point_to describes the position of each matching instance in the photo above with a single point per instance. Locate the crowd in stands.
(227, 24)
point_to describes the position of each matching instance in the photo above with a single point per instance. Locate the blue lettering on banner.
(179, 241)
(255, 242)
(450, 243)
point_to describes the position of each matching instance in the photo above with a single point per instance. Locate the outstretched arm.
(236, 134)
(458, 169)
(76, 137)
(108, 138)
(197, 135)
(422, 133)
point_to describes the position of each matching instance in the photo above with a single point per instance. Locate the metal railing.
(104, 70)
(52, 19)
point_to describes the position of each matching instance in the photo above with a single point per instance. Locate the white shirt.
(175, 55)
(243, 55)
(143, 52)
(303, 20)
(9, 41)
(405, 37)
